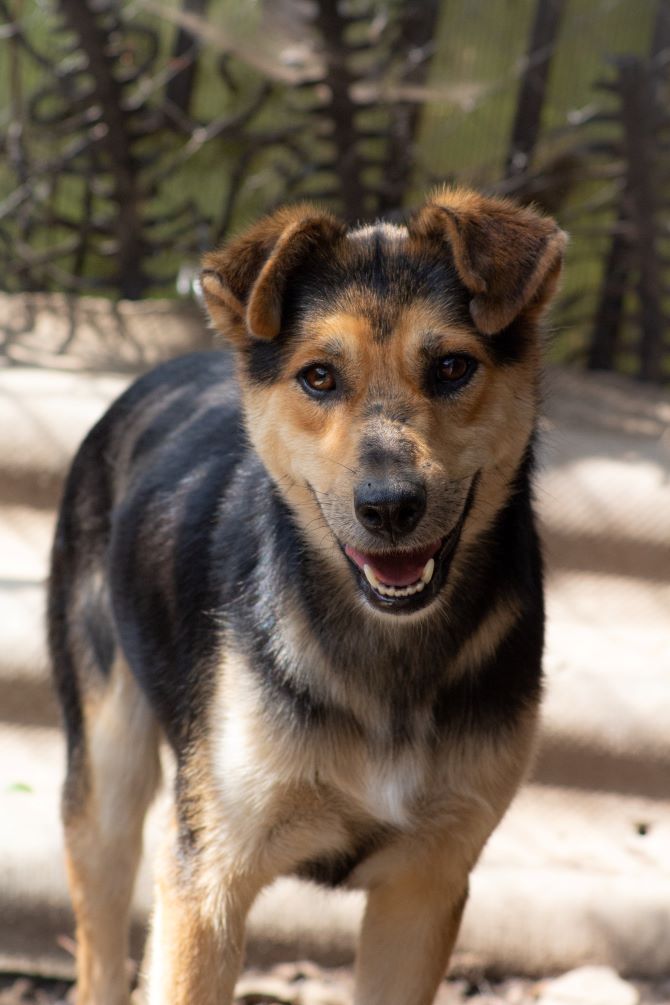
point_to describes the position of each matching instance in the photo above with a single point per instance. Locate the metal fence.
(136, 133)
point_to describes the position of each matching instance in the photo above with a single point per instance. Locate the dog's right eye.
(317, 379)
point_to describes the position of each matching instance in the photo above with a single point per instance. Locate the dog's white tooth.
(392, 591)
(428, 570)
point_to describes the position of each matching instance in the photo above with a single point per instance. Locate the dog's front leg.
(409, 929)
(197, 935)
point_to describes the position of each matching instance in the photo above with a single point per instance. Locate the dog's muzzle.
(393, 578)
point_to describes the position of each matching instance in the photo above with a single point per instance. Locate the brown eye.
(453, 371)
(317, 379)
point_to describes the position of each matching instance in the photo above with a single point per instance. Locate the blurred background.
(136, 134)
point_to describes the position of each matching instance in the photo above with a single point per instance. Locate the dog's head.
(389, 376)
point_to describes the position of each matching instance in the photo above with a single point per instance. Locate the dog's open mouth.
(400, 574)
(403, 580)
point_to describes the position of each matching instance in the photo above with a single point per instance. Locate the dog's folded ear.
(244, 282)
(507, 256)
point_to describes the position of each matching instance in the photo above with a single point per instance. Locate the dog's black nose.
(391, 509)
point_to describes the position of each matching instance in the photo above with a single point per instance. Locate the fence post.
(417, 24)
(340, 108)
(533, 86)
(179, 89)
(641, 119)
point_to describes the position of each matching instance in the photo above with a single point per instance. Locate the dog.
(309, 561)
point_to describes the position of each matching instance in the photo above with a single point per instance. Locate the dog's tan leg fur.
(103, 832)
(409, 929)
(197, 937)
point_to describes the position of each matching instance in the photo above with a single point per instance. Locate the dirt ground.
(306, 984)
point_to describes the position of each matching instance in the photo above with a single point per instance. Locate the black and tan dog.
(311, 564)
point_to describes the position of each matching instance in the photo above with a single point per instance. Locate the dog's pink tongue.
(400, 569)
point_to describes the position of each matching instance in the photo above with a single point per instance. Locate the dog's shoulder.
(145, 491)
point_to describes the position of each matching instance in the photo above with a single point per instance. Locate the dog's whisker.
(341, 464)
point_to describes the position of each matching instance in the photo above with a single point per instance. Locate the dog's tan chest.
(386, 787)
(313, 790)
(310, 789)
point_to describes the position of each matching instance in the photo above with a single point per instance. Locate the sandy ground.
(306, 984)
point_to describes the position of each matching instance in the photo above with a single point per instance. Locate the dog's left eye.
(317, 379)
(451, 372)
